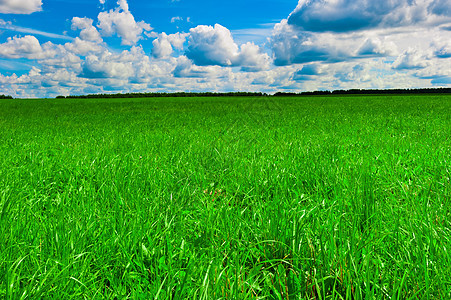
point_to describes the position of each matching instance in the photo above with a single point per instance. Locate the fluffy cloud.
(351, 15)
(20, 6)
(251, 58)
(21, 47)
(411, 59)
(83, 47)
(291, 46)
(374, 46)
(88, 31)
(107, 65)
(340, 30)
(211, 46)
(308, 72)
(121, 22)
(48, 55)
(208, 45)
(130, 65)
(163, 46)
(443, 49)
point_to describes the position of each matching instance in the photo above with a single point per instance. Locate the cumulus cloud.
(107, 65)
(340, 30)
(83, 47)
(358, 74)
(309, 72)
(291, 46)
(351, 15)
(186, 68)
(20, 6)
(88, 31)
(48, 55)
(374, 46)
(133, 65)
(251, 58)
(163, 46)
(443, 48)
(411, 59)
(120, 21)
(208, 45)
(21, 47)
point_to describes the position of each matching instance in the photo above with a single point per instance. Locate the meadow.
(335, 197)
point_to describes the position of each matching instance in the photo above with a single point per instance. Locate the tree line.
(370, 92)
(259, 94)
(176, 94)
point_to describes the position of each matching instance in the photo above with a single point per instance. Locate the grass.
(343, 197)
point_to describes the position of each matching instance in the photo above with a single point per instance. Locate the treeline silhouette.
(370, 92)
(5, 97)
(259, 94)
(177, 94)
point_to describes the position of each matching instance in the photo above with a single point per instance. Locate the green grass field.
(226, 198)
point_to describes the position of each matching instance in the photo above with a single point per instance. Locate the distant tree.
(259, 94)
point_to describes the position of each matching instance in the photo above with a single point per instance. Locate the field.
(337, 197)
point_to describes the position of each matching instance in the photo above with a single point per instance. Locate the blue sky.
(64, 47)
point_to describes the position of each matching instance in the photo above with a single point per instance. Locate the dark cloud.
(308, 72)
(440, 7)
(312, 69)
(297, 47)
(352, 15)
(443, 52)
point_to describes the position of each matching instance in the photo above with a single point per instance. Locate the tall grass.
(226, 198)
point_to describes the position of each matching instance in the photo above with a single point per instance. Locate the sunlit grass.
(226, 198)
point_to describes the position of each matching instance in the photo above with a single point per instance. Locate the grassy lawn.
(338, 197)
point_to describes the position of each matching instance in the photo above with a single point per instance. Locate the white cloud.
(120, 21)
(211, 46)
(133, 65)
(163, 46)
(20, 6)
(208, 45)
(412, 58)
(442, 48)
(374, 46)
(175, 19)
(83, 47)
(342, 30)
(21, 47)
(107, 65)
(88, 31)
(48, 54)
(291, 46)
(252, 59)
(9, 26)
